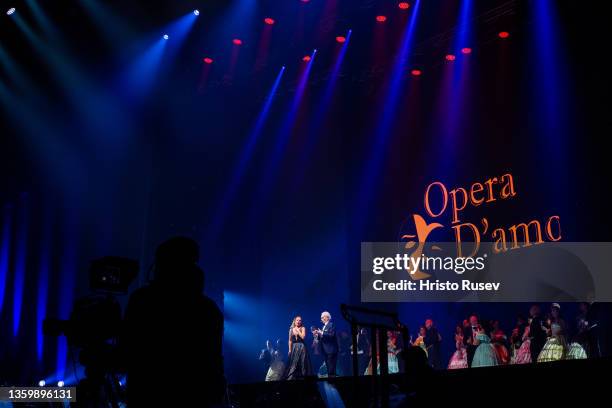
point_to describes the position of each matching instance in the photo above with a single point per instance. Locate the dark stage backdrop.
(348, 163)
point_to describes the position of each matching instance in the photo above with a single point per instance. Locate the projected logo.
(423, 230)
(439, 200)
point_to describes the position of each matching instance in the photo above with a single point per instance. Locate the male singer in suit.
(329, 343)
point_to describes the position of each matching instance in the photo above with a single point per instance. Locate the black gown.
(299, 365)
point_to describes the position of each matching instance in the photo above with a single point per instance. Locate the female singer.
(420, 341)
(299, 362)
(485, 355)
(499, 339)
(459, 358)
(392, 351)
(556, 347)
(523, 353)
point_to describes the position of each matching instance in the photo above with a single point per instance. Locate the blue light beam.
(5, 249)
(21, 246)
(373, 167)
(242, 164)
(282, 140)
(321, 113)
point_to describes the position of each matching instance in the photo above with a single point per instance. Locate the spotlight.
(269, 20)
(381, 19)
(450, 57)
(237, 41)
(196, 12)
(60, 383)
(305, 1)
(503, 34)
(466, 50)
(340, 39)
(42, 383)
(10, 11)
(416, 72)
(166, 36)
(208, 60)
(306, 58)
(404, 5)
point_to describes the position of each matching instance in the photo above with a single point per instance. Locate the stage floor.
(545, 382)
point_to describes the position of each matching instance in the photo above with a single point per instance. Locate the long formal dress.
(552, 350)
(503, 356)
(576, 352)
(523, 354)
(299, 362)
(485, 355)
(420, 342)
(392, 361)
(392, 357)
(277, 367)
(459, 357)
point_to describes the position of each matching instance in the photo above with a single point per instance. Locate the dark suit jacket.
(537, 334)
(468, 334)
(328, 340)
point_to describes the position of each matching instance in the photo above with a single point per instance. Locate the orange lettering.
(456, 208)
(508, 188)
(476, 188)
(476, 236)
(444, 199)
(549, 228)
(489, 184)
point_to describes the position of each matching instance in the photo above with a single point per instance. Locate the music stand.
(375, 320)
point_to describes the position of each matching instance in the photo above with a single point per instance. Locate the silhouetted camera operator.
(173, 334)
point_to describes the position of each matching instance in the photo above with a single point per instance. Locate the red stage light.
(466, 50)
(269, 21)
(450, 57)
(237, 41)
(340, 39)
(504, 34)
(403, 5)
(306, 58)
(381, 19)
(208, 60)
(416, 72)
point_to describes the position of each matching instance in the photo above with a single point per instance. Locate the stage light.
(466, 50)
(305, 1)
(503, 34)
(60, 383)
(196, 12)
(166, 36)
(381, 19)
(450, 57)
(404, 5)
(416, 72)
(10, 11)
(42, 383)
(208, 60)
(269, 20)
(341, 39)
(306, 58)
(237, 41)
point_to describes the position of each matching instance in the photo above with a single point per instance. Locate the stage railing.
(378, 322)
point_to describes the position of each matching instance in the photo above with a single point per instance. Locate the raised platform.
(522, 385)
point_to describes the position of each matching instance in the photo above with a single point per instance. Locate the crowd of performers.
(540, 337)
